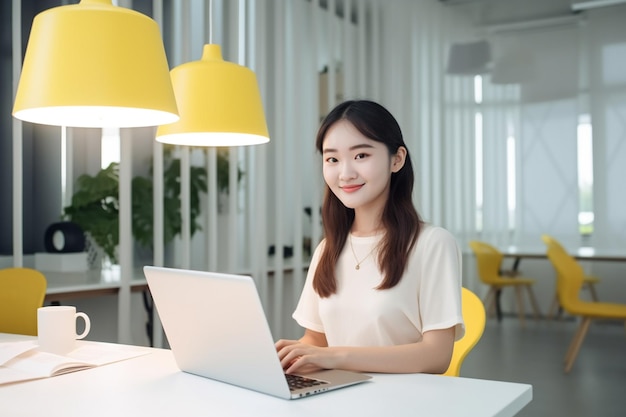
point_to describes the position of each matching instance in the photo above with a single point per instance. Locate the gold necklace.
(358, 263)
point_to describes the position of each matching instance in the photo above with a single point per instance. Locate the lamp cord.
(210, 21)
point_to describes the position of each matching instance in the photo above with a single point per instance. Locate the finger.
(284, 348)
(296, 364)
(288, 358)
(290, 364)
(285, 351)
(292, 354)
(303, 365)
(284, 342)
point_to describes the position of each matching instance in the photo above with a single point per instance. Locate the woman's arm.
(314, 338)
(431, 355)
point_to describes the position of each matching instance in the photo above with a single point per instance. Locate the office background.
(503, 156)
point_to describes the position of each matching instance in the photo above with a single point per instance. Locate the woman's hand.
(296, 356)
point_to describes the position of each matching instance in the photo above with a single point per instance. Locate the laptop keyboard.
(298, 382)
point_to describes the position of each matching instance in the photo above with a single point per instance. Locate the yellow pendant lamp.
(219, 104)
(93, 64)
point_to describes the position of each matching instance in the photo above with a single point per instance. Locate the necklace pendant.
(357, 267)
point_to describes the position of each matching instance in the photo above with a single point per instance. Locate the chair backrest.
(474, 317)
(569, 273)
(488, 260)
(22, 291)
(551, 241)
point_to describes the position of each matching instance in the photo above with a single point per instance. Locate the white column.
(125, 249)
(18, 243)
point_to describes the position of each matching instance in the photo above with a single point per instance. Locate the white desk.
(152, 386)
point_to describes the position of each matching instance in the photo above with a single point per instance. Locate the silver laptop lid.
(216, 328)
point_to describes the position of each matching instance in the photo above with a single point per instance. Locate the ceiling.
(500, 12)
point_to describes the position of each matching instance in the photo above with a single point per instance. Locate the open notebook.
(216, 328)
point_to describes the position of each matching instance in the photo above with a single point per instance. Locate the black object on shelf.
(64, 237)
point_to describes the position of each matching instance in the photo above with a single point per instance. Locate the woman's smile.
(352, 188)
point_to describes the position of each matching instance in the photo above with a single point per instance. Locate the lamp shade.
(470, 58)
(219, 104)
(93, 64)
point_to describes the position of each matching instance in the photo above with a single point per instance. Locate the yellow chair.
(589, 281)
(474, 317)
(570, 278)
(22, 291)
(489, 261)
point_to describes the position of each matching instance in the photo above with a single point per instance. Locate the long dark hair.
(400, 218)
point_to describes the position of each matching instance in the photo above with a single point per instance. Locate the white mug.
(56, 328)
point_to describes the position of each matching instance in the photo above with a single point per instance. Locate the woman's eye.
(360, 156)
(331, 160)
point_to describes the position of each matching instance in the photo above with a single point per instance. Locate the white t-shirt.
(428, 297)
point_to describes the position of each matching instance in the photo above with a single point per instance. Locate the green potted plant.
(95, 203)
(95, 208)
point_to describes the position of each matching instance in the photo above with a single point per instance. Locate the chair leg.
(554, 307)
(533, 303)
(574, 347)
(592, 291)
(489, 301)
(497, 298)
(520, 304)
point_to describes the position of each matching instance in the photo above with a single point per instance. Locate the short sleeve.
(440, 288)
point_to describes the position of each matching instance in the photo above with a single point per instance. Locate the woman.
(383, 291)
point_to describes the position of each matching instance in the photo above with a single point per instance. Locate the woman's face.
(358, 169)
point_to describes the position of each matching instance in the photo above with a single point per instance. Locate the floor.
(596, 385)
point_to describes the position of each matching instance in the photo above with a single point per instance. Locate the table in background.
(91, 283)
(581, 254)
(152, 386)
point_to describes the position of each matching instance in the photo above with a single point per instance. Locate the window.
(478, 151)
(510, 180)
(585, 175)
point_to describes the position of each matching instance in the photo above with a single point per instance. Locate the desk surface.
(153, 386)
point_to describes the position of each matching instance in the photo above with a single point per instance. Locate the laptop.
(216, 328)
